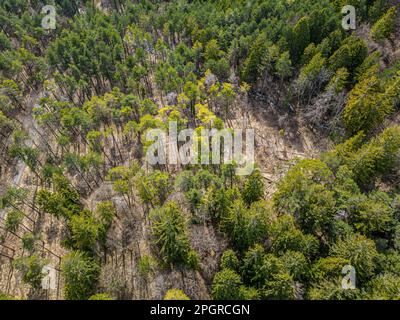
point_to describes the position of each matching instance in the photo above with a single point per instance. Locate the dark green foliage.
(105, 77)
(285, 236)
(305, 194)
(28, 241)
(169, 228)
(244, 226)
(350, 55)
(299, 38)
(254, 188)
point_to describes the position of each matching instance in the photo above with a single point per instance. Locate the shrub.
(332, 290)
(146, 265)
(31, 268)
(245, 227)
(361, 253)
(101, 296)
(254, 188)
(85, 231)
(28, 241)
(80, 273)
(280, 287)
(226, 285)
(175, 294)
(169, 229)
(350, 55)
(295, 263)
(13, 220)
(312, 76)
(328, 269)
(385, 27)
(229, 260)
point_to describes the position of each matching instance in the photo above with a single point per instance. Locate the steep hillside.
(79, 195)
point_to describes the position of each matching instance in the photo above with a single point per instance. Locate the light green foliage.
(369, 67)
(226, 285)
(371, 214)
(385, 27)
(329, 269)
(63, 202)
(296, 265)
(247, 293)
(217, 202)
(107, 77)
(13, 220)
(101, 296)
(312, 76)
(339, 81)
(146, 265)
(6, 297)
(31, 268)
(280, 287)
(154, 187)
(175, 294)
(376, 157)
(80, 273)
(284, 66)
(365, 108)
(229, 260)
(384, 287)
(105, 213)
(85, 231)
(332, 290)
(256, 266)
(361, 253)
(185, 181)
(212, 50)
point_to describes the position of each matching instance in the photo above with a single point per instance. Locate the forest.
(83, 83)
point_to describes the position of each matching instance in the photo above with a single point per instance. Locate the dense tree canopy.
(78, 103)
